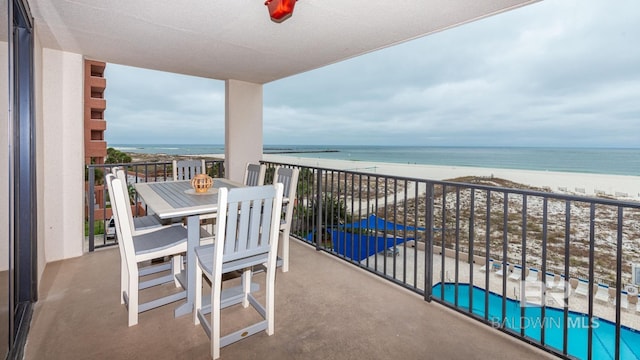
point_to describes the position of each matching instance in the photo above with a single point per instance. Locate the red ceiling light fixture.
(280, 10)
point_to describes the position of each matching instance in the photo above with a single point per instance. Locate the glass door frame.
(22, 232)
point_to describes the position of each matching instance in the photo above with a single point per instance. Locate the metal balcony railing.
(447, 241)
(98, 208)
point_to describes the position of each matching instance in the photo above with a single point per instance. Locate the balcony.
(96, 103)
(95, 148)
(378, 224)
(325, 309)
(96, 125)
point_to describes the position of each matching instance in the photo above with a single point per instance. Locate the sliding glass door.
(18, 279)
(5, 273)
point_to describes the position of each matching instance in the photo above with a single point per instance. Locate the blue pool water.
(604, 331)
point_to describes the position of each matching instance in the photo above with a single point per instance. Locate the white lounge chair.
(602, 293)
(532, 276)
(628, 301)
(500, 268)
(549, 279)
(633, 304)
(582, 289)
(559, 284)
(483, 268)
(516, 274)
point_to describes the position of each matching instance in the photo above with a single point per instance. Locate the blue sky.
(555, 73)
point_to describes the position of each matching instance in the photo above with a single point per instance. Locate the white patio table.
(172, 199)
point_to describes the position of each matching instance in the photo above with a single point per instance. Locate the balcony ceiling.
(235, 39)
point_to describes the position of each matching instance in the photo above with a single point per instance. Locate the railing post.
(319, 207)
(91, 202)
(428, 246)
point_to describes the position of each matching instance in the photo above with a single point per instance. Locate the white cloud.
(556, 73)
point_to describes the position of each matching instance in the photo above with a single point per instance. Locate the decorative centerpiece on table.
(201, 183)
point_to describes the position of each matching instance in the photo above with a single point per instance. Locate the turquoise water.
(584, 160)
(603, 331)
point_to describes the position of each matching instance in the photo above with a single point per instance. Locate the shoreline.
(618, 186)
(623, 187)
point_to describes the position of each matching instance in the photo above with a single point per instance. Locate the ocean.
(583, 160)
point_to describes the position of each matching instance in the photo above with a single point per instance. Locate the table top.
(172, 199)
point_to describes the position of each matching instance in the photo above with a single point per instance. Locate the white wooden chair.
(138, 222)
(288, 177)
(187, 169)
(141, 247)
(246, 235)
(254, 174)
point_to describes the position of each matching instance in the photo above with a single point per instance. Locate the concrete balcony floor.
(325, 309)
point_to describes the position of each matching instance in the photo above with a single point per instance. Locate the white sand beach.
(619, 186)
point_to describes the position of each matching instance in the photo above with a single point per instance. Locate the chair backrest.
(108, 180)
(122, 176)
(187, 169)
(248, 223)
(254, 174)
(288, 177)
(119, 202)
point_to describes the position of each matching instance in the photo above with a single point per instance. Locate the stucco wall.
(61, 117)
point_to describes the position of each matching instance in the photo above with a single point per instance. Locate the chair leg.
(246, 287)
(123, 280)
(216, 292)
(284, 240)
(133, 299)
(198, 294)
(270, 299)
(176, 268)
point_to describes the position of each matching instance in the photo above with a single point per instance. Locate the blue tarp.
(360, 246)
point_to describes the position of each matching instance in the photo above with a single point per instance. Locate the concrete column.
(243, 126)
(61, 114)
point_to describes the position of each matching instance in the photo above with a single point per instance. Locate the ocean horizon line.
(325, 146)
(595, 160)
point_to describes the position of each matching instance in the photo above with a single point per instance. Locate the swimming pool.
(604, 331)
